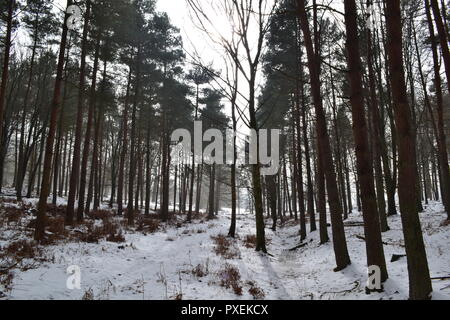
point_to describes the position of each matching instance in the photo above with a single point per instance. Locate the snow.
(159, 266)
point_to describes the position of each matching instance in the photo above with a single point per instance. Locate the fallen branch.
(385, 243)
(441, 278)
(357, 284)
(6, 269)
(299, 246)
(354, 224)
(396, 257)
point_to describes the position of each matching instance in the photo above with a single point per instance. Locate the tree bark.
(5, 72)
(374, 245)
(87, 137)
(39, 233)
(442, 37)
(419, 275)
(124, 151)
(440, 135)
(75, 173)
(339, 243)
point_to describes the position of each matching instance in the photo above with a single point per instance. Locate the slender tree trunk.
(256, 176)
(298, 151)
(124, 150)
(22, 164)
(339, 243)
(199, 187)
(232, 231)
(376, 127)
(310, 195)
(374, 245)
(75, 173)
(440, 135)
(321, 202)
(212, 185)
(5, 71)
(39, 233)
(419, 275)
(442, 37)
(132, 173)
(87, 137)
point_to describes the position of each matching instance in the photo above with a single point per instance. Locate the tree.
(5, 69)
(55, 108)
(374, 245)
(244, 13)
(39, 21)
(442, 37)
(324, 149)
(419, 275)
(440, 134)
(199, 76)
(213, 118)
(74, 177)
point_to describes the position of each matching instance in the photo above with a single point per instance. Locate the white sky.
(196, 41)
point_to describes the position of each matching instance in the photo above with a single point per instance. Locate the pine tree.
(374, 245)
(55, 108)
(419, 275)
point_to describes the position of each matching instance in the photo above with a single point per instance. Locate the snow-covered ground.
(160, 265)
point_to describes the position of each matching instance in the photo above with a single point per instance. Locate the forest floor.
(194, 262)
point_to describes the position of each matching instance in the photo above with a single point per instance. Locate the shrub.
(6, 281)
(21, 249)
(117, 238)
(100, 215)
(88, 295)
(148, 224)
(224, 247)
(201, 271)
(256, 292)
(109, 230)
(56, 210)
(250, 241)
(56, 226)
(13, 214)
(230, 277)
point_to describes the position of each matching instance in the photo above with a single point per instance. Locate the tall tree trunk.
(124, 150)
(232, 231)
(5, 71)
(39, 233)
(339, 243)
(419, 275)
(212, 185)
(199, 187)
(133, 160)
(87, 137)
(376, 127)
(440, 137)
(75, 173)
(22, 163)
(256, 175)
(321, 202)
(374, 245)
(442, 37)
(310, 195)
(299, 164)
